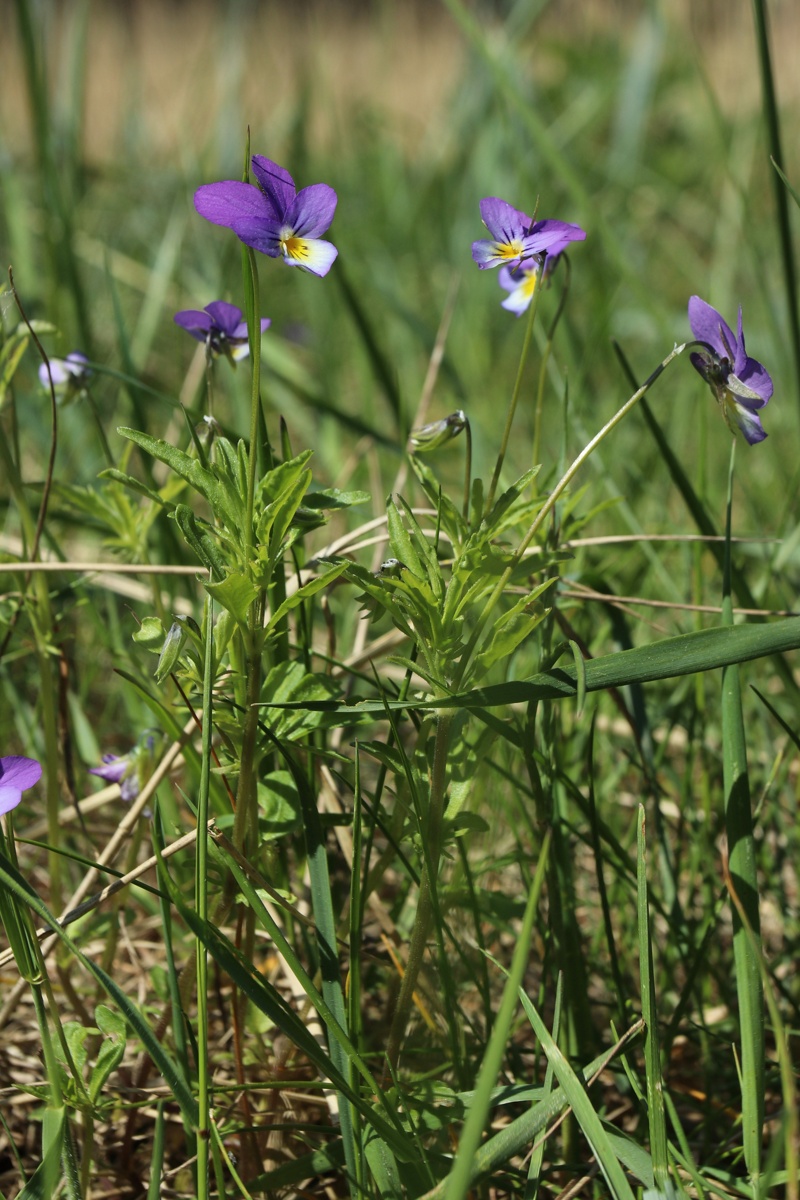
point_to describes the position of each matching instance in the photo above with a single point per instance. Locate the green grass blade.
(381, 364)
(704, 650)
(325, 922)
(458, 1181)
(742, 858)
(157, 1154)
(791, 1119)
(652, 1051)
(742, 866)
(582, 1106)
(534, 1180)
(42, 1184)
(173, 1075)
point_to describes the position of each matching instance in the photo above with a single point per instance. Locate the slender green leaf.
(458, 1181)
(582, 1106)
(652, 1053)
(13, 881)
(683, 655)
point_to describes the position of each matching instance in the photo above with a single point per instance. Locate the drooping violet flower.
(274, 217)
(516, 237)
(221, 327)
(17, 774)
(740, 384)
(70, 376)
(131, 770)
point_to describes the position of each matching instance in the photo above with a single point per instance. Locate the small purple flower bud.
(431, 437)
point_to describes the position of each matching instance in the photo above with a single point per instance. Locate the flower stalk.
(426, 904)
(550, 503)
(512, 408)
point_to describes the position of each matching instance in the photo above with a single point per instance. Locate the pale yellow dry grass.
(172, 78)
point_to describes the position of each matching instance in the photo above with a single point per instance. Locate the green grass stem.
(512, 407)
(458, 1181)
(742, 861)
(656, 1115)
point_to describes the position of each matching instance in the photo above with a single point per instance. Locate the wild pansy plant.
(516, 237)
(221, 327)
(741, 385)
(274, 217)
(518, 240)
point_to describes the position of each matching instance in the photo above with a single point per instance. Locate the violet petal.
(504, 223)
(708, 326)
(312, 210)
(228, 202)
(276, 183)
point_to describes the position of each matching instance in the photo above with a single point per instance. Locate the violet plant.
(221, 329)
(469, 598)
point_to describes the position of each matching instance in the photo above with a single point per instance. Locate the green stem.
(742, 863)
(537, 427)
(246, 808)
(432, 838)
(550, 503)
(254, 333)
(523, 358)
(467, 469)
(201, 902)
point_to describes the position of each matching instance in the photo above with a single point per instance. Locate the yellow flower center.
(294, 247)
(508, 249)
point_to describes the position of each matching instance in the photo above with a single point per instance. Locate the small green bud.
(431, 437)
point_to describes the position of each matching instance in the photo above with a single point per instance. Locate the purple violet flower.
(133, 769)
(740, 384)
(70, 375)
(274, 217)
(521, 281)
(517, 237)
(17, 774)
(221, 327)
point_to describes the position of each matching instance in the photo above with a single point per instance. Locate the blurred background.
(640, 121)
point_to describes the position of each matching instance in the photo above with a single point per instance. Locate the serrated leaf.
(279, 811)
(307, 590)
(135, 485)
(333, 498)
(200, 537)
(503, 503)
(108, 1059)
(219, 491)
(150, 634)
(236, 594)
(468, 822)
(76, 1035)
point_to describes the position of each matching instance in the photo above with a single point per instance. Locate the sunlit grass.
(582, 793)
